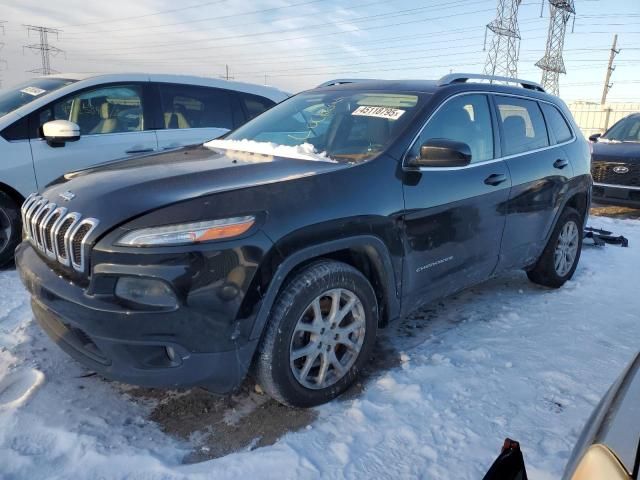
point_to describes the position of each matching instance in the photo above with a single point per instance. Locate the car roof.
(272, 93)
(452, 83)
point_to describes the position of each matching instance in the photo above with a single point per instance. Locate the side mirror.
(594, 138)
(440, 152)
(58, 132)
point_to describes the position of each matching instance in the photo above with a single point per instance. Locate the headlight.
(187, 233)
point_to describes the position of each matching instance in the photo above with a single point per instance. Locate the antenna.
(46, 50)
(502, 59)
(552, 64)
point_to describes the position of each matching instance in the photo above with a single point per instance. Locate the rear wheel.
(10, 228)
(559, 260)
(320, 334)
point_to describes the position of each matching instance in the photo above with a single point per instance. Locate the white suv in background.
(66, 122)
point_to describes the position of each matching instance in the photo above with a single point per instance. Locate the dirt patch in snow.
(217, 426)
(615, 212)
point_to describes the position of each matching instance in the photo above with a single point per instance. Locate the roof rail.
(463, 77)
(340, 81)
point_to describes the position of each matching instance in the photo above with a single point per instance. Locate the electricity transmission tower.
(551, 63)
(504, 50)
(46, 50)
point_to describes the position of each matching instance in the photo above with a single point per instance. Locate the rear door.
(539, 170)
(112, 123)
(194, 114)
(455, 215)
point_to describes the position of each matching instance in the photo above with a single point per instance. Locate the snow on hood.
(305, 151)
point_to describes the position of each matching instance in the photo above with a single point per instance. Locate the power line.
(162, 12)
(552, 64)
(46, 50)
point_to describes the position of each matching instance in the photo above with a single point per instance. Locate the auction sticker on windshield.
(379, 112)
(33, 91)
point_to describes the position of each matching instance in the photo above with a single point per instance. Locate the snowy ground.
(504, 359)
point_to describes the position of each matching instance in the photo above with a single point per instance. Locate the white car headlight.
(187, 233)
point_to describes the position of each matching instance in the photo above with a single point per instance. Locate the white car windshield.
(20, 95)
(347, 125)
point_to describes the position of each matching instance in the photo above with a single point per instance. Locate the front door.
(111, 122)
(455, 215)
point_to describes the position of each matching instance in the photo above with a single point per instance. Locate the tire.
(304, 304)
(10, 228)
(546, 271)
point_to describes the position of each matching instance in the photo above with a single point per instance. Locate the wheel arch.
(16, 196)
(366, 253)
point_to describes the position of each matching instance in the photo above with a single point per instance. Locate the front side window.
(523, 127)
(465, 119)
(186, 106)
(626, 130)
(27, 92)
(112, 109)
(556, 123)
(343, 125)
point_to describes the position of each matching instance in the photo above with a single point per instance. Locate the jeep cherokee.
(282, 248)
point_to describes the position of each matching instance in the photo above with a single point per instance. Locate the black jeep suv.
(283, 247)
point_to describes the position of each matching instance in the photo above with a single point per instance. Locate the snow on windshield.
(305, 151)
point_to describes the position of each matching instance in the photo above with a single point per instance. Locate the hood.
(625, 152)
(118, 191)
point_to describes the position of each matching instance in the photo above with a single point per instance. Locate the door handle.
(140, 150)
(560, 163)
(495, 179)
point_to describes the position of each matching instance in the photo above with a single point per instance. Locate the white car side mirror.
(58, 132)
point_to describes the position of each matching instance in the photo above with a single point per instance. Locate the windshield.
(626, 130)
(15, 97)
(342, 125)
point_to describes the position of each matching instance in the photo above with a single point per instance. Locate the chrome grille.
(59, 234)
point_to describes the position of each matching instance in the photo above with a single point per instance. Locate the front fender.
(371, 245)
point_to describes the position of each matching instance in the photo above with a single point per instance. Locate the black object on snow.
(601, 237)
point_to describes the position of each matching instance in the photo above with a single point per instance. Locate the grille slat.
(602, 172)
(56, 233)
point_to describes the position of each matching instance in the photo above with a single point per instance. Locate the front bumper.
(134, 346)
(618, 195)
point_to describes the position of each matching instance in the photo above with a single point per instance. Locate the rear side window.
(556, 123)
(187, 106)
(523, 127)
(463, 119)
(255, 105)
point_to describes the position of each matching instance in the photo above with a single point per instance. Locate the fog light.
(146, 291)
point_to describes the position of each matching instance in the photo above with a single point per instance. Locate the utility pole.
(552, 64)
(46, 50)
(610, 69)
(226, 75)
(504, 50)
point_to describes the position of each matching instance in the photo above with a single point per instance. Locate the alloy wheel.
(327, 339)
(567, 248)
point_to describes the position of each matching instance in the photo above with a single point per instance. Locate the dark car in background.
(282, 248)
(615, 164)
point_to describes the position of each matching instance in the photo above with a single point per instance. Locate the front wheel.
(320, 334)
(10, 228)
(560, 257)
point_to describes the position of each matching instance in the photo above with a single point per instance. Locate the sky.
(297, 44)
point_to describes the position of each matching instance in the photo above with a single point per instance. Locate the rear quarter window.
(556, 124)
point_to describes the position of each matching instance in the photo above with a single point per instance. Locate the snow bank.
(506, 358)
(305, 151)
